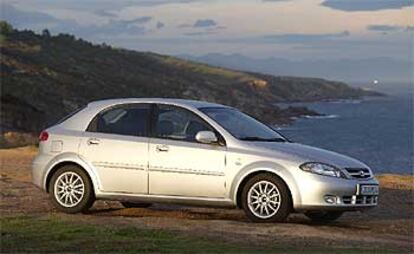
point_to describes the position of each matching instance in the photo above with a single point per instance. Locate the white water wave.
(321, 117)
(349, 101)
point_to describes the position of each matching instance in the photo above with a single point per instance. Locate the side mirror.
(206, 137)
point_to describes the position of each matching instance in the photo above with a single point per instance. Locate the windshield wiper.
(262, 139)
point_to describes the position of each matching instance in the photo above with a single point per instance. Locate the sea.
(375, 130)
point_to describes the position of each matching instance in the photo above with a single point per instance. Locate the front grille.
(360, 200)
(360, 173)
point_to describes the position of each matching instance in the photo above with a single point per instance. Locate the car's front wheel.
(71, 190)
(266, 198)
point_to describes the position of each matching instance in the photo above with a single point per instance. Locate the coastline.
(377, 131)
(294, 110)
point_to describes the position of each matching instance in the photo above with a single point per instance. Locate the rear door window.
(130, 120)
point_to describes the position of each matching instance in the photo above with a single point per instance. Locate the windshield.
(242, 126)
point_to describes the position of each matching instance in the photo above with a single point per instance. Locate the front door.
(178, 164)
(116, 144)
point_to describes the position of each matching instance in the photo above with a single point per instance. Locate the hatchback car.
(143, 151)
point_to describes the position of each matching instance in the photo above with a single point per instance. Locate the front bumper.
(342, 194)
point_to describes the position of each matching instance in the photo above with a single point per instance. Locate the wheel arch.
(69, 159)
(269, 168)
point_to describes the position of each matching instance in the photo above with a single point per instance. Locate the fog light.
(331, 199)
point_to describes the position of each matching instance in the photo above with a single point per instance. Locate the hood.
(304, 153)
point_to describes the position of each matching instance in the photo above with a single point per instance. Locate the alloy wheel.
(69, 189)
(264, 199)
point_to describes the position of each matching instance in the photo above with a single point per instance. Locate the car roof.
(81, 119)
(177, 102)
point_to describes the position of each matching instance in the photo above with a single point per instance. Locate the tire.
(135, 205)
(277, 200)
(324, 217)
(63, 189)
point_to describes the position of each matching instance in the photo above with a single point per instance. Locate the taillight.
(43, 136)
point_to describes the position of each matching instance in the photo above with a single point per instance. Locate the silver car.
(143, 151)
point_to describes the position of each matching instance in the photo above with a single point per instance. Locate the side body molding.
(70, 157)
(270, 167)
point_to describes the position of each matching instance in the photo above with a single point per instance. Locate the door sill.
(192, 201)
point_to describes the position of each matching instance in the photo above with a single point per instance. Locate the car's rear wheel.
(135, 205)
(324, 217)
(266, 198)
(71, 190)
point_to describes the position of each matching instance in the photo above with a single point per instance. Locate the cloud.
(155, 2)
(366, 5)
(105, 13)
(219, 27)
(96, 5)
(139, 20)
(160, 25)
(385, 29)
(118, 22)
(207, 31)
(38, 21)
(205, 23)
(303, 38)
(21, 19)
(184, 26)
(116, 27)
(200, 33)
(202, 27)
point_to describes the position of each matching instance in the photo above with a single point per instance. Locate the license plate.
(368, 189)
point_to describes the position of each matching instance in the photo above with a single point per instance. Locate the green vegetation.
(206, 69)
(5, 29)
(44, 77)
(25, 234)
(53, 235)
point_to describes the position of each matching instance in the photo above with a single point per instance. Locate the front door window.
(178, 124)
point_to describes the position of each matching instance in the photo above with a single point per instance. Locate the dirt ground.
(390, 226)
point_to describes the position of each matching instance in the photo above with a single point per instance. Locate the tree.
(46, 33)
(5, 27)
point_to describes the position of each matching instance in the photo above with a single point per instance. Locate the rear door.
(116, 144)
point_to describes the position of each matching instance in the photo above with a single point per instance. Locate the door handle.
(162, 148)
(93, 141)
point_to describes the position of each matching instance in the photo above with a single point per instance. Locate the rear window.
(70, 114)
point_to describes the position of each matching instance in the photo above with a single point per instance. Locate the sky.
(292, 29)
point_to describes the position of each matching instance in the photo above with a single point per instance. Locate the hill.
(44, 77)
(365, 70)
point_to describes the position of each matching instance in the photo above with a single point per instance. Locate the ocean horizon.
(377, 130)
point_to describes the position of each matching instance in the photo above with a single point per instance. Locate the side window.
(177, 123)
(131, 120)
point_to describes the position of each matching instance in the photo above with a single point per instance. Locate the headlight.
(321, 169)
